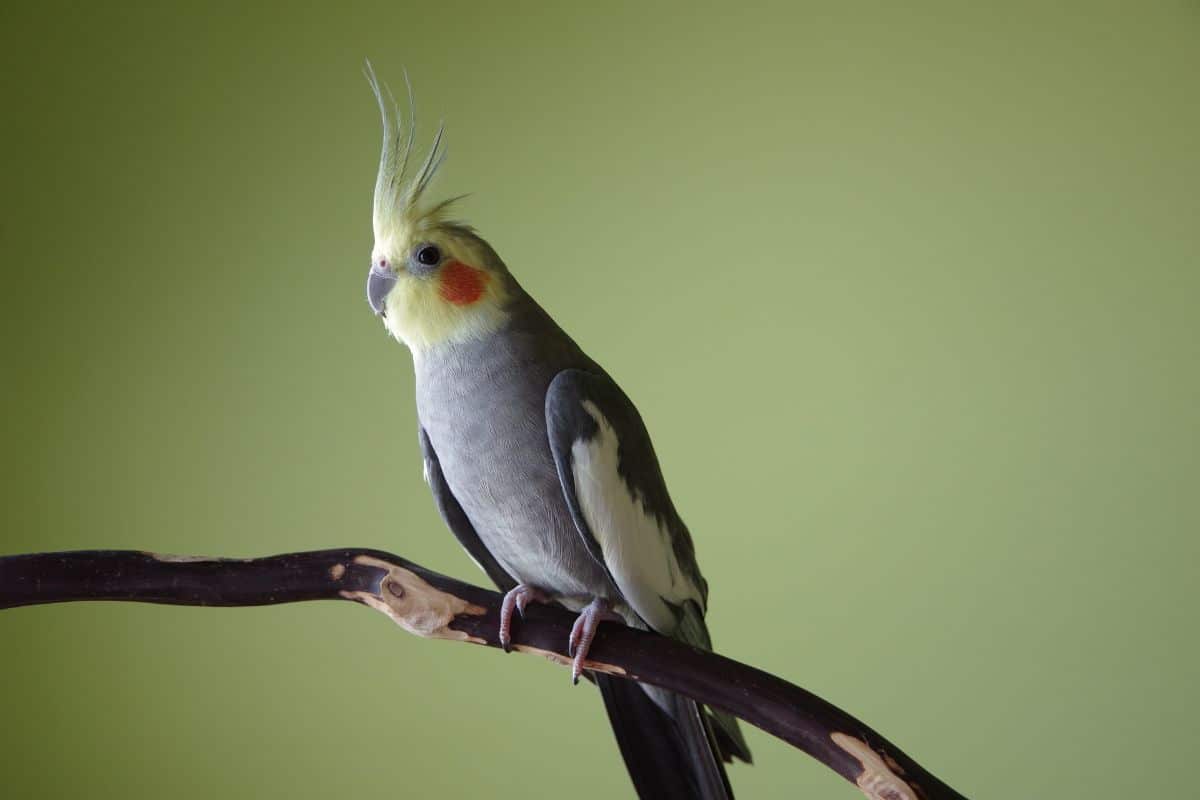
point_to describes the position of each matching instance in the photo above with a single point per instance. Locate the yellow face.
(431, 280)
(434, 283)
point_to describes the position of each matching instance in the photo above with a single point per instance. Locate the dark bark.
(434, 605)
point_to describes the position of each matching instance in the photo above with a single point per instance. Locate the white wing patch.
(637, 548)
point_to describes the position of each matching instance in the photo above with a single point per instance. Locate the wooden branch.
(435, 606)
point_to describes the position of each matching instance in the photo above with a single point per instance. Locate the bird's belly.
(509, 488)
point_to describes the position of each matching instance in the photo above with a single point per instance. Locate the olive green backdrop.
(907, 295)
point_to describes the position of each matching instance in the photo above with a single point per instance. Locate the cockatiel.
(540, 465)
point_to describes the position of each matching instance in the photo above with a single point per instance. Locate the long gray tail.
(670, 755)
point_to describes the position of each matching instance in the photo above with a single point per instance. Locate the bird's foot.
(584, 630)
(516, 599)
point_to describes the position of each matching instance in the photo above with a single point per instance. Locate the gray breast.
(482, 405)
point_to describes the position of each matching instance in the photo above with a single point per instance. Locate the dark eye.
(429, 255)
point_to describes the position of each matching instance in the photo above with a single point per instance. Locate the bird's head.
(432, 280)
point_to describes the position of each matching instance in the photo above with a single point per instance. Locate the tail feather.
(671, 753)
(730, 742)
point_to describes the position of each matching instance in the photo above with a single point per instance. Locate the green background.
(907, 295)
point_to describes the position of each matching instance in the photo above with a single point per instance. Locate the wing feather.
(615, 490)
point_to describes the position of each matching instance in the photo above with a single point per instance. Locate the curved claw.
(523, 600)
(584, 631)
(516, 598)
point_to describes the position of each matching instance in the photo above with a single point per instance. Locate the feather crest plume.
(398, 198)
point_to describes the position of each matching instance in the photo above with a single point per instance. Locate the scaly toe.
(576, 633)
(584, 631)
(516, 599)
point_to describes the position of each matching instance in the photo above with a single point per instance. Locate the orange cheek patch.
(460, 284)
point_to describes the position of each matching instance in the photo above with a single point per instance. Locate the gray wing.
(615, 489)
(456, 518)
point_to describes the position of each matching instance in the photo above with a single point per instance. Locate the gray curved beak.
(379, 283)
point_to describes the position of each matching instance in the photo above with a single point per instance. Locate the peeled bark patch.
(414, 604)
